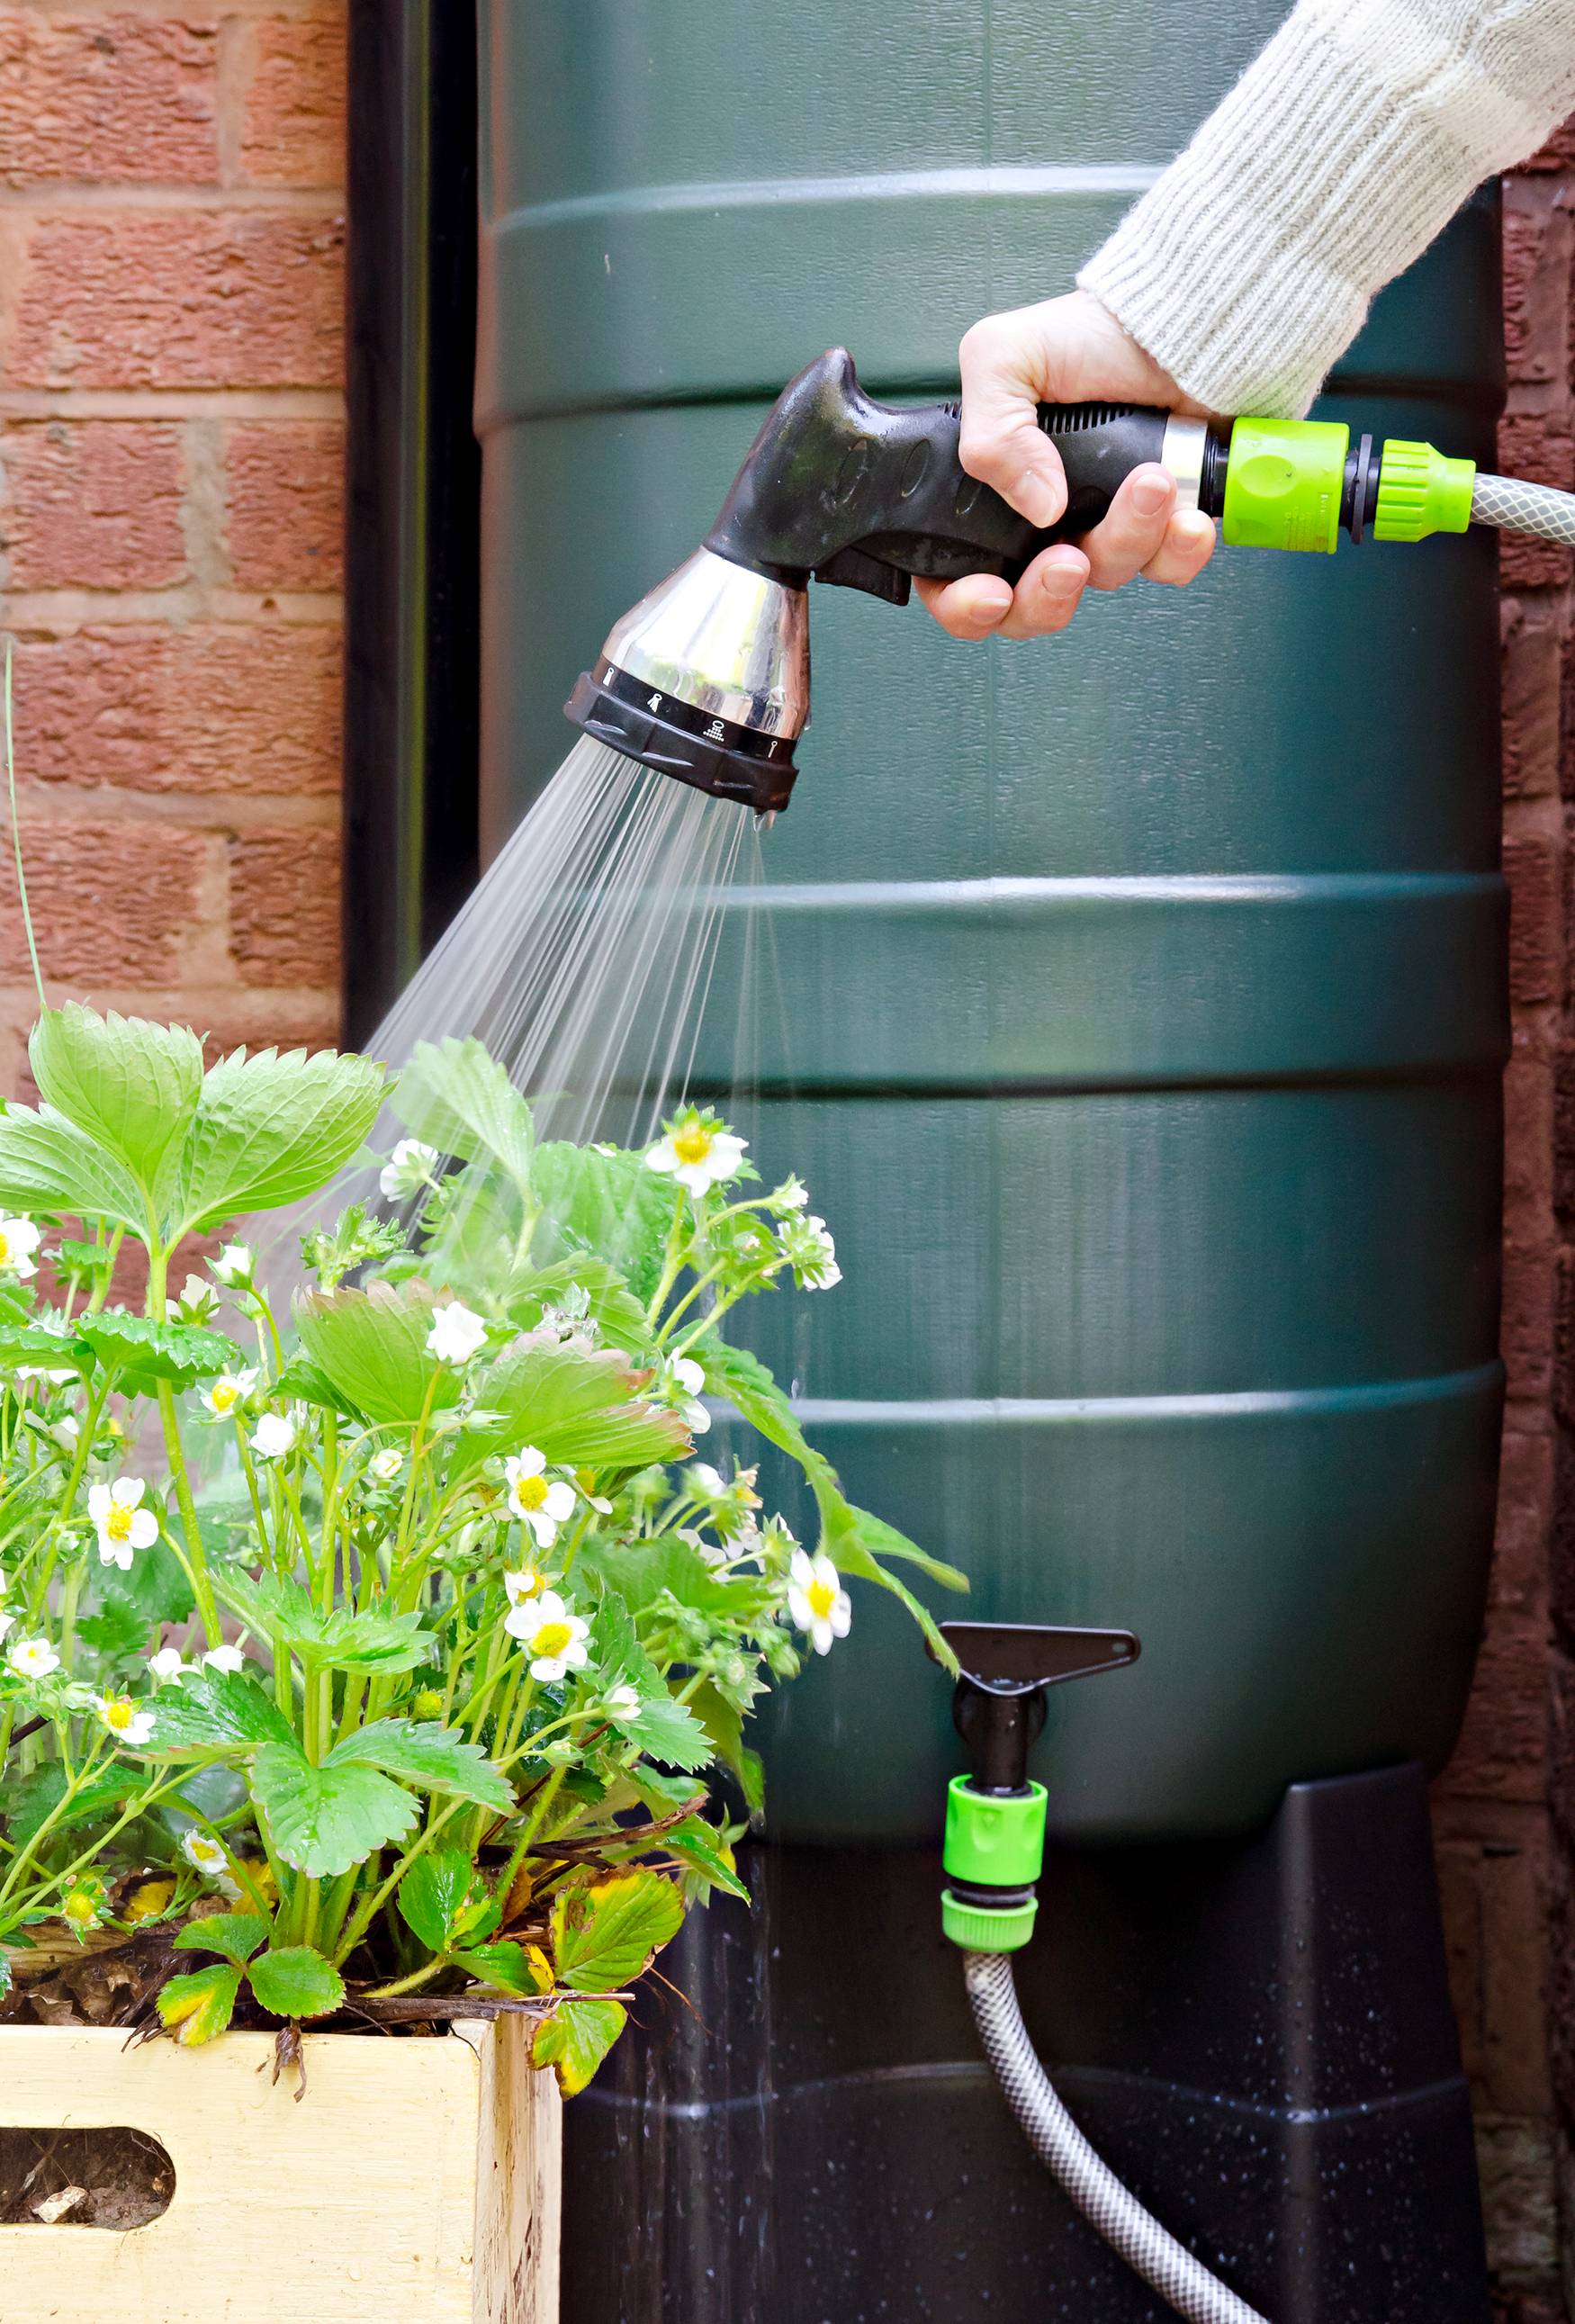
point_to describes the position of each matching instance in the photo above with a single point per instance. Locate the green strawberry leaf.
(695, 1844)
(445, 1901)
(295, 1981)
(370, 1347)
(135, 1344)
(209, 1713)
(432, 1757)
(454, 1096)
(322, 1820)
(507, 1966)
(269, 1130)
(236, 1935)
(48, 1164)
(132, 1087)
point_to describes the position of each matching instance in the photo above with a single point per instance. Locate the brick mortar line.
(62, 612)
(325, 11)
(28, 404)
(56, 198)
(139, 997)
(47, 804)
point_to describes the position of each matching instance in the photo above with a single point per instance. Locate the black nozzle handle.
(838, 486)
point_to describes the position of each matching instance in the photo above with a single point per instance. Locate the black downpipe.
(412, 493)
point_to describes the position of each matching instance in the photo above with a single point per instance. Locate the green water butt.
(1134, 1005)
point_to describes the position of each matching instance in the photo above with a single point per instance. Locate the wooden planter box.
(417, 2182)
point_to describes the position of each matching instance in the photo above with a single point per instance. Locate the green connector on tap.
(993, 1842)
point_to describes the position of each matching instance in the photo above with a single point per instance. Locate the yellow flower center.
(530, 1492)
(119, 1710)
(226, 1396)
(693, 1144)
(551, 1639)
(5, 1250)
(822, 1597)
(117, 1524)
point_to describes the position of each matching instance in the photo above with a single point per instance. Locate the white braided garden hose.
(1147, 2247)
(1516, 507)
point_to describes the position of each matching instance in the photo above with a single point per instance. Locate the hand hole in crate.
(113, 2178)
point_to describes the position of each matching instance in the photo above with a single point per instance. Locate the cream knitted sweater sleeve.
(1339, 155)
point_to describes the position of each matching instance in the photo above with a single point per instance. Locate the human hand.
(1068, 350)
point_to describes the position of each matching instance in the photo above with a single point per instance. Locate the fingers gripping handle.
(866, 493)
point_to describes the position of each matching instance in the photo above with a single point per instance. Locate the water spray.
(707, 678)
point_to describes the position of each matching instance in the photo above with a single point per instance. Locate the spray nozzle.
(708, 677)
(994, 1847)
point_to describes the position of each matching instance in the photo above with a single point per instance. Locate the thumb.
(1001, 442)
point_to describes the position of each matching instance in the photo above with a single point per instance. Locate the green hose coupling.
(995, 1851)
(1420, 491)
(1284, 484)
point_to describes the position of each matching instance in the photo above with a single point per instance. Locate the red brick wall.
(170, 242)
(171, 239)
(1503, 1811)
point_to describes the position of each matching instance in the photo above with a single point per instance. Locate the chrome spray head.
(708, 677)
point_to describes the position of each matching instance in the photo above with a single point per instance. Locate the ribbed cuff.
(1344, 148)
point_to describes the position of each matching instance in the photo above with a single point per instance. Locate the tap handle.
(1007, 1669)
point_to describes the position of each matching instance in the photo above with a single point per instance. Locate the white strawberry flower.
(407, 1169)
(791, 1196)
(524, 1583)
(123, 1525)
(168, 1664)
(229, 1391)
(385, 1466)
(807, 1246)
(683, 1384)
(224, 1658)
(541, 1504)
(19, 1242)
(554, 1638)
(697, 1151)
(623, 1701)
(817, 1601)
(207, 1857)
(125, 1722)
(456, 1334)
(7, 1622)
(233, 1266)
(732, 1502)
(198, 1300)
(34, 1658)
(273, 1438)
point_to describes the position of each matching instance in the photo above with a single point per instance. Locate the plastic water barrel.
(1141, 1005)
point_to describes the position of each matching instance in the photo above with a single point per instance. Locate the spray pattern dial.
(994, 1848)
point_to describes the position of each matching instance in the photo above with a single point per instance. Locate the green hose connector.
(1284, 484)
(1421, 491)
(993, 1841)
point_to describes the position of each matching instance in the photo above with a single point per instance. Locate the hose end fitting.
(994, 1852)
(1420, 491)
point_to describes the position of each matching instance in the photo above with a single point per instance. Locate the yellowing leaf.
(199, 2007)
(604, 1936)
(576, 2039)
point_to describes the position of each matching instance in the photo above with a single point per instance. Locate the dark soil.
(83, 2178)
